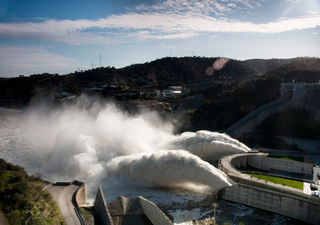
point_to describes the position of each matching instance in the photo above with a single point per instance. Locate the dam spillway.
(73, 143)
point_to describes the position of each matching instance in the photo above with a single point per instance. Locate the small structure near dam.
(121, 209)
(268, 196)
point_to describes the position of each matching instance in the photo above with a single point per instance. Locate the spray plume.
(102, 145)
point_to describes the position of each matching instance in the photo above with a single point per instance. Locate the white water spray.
(101, 145)
(175, 168)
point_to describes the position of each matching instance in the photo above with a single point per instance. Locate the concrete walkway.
(63, 195)
(230, 170)
(3, 220)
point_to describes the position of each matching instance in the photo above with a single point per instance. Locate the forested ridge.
(166, 71)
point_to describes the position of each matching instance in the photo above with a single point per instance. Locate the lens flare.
(209, 71)
(220, 63)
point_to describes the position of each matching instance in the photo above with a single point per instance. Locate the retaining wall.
(305, 145)
(101, 209)
(267, 163)
(265, 195)
(80, 193)
(155, 215)
(280, 203)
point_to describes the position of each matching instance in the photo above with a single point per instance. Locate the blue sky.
(38, 36)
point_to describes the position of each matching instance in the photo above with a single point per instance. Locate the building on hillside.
(168, 94)
(175, 88)
(156, 94)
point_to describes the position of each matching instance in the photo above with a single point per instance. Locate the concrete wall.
(101, 209)
(305, 145)
(265, 195)
(286, 90)
(155, 215)
(247, 123)
(226, 166)
(81, 194)
(280, 203)
(267, 163)
(299, 91)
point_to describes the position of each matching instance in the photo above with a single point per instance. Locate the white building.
(168, 94)
(176, 88)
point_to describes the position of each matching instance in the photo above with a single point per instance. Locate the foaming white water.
(175, 168)
(209, 146)
(102, 145)
(131, 156)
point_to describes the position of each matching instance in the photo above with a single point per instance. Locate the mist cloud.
(96, 142)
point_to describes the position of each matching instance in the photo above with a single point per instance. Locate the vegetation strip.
(278, 180)
(22, 198)
(289, 158)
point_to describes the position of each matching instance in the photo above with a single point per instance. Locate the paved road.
(62, 194)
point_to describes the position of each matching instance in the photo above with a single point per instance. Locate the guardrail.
(76, 198)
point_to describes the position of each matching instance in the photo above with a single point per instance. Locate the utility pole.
(215, 205)
(60, 88)
(100, 61)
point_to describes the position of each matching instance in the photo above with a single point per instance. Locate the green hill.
(22, 198)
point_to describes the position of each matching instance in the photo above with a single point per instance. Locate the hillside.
(234, 102)
(166, 71)
(306, 70)
(22, 198)
(264, 65)
(290, 123)
(180, 71)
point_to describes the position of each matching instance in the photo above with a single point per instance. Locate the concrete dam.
(268, 196)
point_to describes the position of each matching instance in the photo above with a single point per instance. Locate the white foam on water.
(99, 143)
(190, 217)
(209, 146)
(171, 168)
(125, 155)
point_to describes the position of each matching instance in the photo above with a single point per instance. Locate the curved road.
(63, 195)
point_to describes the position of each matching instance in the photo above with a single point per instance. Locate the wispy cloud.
(172, 19)
(30, 59)
(294, 1)
(30, 55)
(165, 46)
